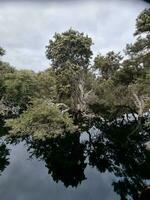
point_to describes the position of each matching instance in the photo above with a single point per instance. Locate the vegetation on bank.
(46, 104)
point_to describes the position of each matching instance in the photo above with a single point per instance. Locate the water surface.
(104, 168)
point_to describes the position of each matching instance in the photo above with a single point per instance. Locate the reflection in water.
(64, 158)
(117, 151)
(121, 150)
(4, 152)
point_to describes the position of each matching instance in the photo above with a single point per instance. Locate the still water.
(28, 179)
(107, 167)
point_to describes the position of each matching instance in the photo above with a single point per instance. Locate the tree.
(107, 65)
(139, 57)
(139, 52)
(112, 101)
(123, 87)
(20, 86)
(70, 53)
(69, 46)
(143, 22)
(140, 91)
(46, 85)
(43, 119)
(127, 75)
(110, 89)
(5, 69)
(17, 87)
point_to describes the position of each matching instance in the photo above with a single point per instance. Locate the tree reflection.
(64, 158)
(120, 150)
(117, 149)
(4, 152)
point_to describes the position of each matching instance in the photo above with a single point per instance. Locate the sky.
(27, 26)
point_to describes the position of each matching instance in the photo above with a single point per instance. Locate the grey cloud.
(56, 0)
(26, 28)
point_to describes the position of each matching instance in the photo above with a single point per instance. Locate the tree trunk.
(139, 102)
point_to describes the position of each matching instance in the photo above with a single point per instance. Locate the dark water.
(112, 165)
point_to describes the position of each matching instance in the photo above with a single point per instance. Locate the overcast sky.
(26, 27)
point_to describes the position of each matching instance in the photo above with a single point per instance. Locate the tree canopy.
(70, 46)
(109, 87)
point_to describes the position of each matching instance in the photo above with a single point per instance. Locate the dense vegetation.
(107, 96)
(49, 103)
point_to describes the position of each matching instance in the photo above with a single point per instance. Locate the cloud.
(26, 27)
(59, 1)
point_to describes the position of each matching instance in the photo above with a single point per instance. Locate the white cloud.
(25, 28)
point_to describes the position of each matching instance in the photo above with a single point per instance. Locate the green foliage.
(142, 44)
(141, 93)
(70, 54)
(41, 120)
(124, 87)
(4, 69)
(143, 22)
(46, 84)
(112, 88)
(127, 75)
(69, 46)
(64, 81)
(20, 86)
(108, 64)
(112, 101)
(139, 52)
(139, 57)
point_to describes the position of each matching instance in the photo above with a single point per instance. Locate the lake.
(109, 167)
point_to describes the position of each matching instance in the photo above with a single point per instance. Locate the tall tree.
(70, 46)
(139, 58)
(70, 54)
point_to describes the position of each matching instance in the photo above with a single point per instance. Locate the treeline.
(45, 104)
